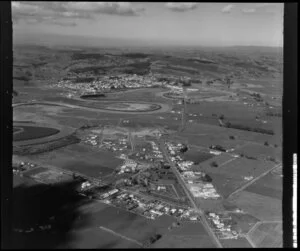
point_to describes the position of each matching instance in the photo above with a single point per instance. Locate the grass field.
(125, 223)
(267, 235)
(204, 134)
(187, 235)
(236, 243)
(97, 238)
(34, 132)
(23, 181)
(262, 207)
(260, 151)
(197, 156)
(270, 185)
(240, 167)
(36, 171)
(244, 221)
(81, 159)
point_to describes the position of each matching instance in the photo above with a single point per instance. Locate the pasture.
(262, 207)
(81, 160)
(270, 185)
(197, 156)
(126, 223)
(187, 235)
(267, 235)
(235, 243)
(259, 151)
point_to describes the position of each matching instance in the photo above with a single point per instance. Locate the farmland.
(262, 207)
(267, 234)
(108, 109)
(269, 185)
(189, 235)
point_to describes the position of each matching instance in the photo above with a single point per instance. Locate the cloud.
(248, 10)
(64, 13)
(181, 7)
(266, 7)
(228, 8)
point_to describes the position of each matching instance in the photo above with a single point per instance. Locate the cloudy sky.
(214, 24)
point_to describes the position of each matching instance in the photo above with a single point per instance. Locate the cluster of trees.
(247, 128)
(184, 148)
(93, 95)
(214, 164)
(256, 96)
(82, 56)
(218, 147)
(274, 114)
(152, 239)
(247, 157)
(135, 55)
(206, 178)
(84, 79)
(15, 93)
(23, 78)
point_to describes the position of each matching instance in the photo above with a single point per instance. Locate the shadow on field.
(43, 215)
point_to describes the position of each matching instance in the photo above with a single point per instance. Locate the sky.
(196, 24)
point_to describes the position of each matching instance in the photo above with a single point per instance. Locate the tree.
(231, 137)
(266, 143)
(214, 164)
(222, 116)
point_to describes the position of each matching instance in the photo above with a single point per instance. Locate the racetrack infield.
(21, 133)
(38, 133)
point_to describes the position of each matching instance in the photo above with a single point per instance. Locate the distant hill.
(98, 42)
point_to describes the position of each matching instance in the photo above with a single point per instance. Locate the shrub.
(231, 137)
(266, 143)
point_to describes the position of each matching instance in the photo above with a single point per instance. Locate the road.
(252, 181)
(187, 192)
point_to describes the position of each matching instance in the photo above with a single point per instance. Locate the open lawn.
(262, 207)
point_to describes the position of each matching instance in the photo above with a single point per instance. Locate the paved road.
(198, 210)
(252, 181)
